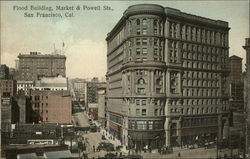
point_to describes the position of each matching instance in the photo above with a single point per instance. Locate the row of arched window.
(197, 34)
(186, 102)
(192, 111)
(145, 21)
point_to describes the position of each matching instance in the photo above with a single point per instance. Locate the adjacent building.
(4, 72)
(247, 94)
(45, 83)
(36, 65)
(235, 65)
(5, 119)
(6, 113)
(236, 84)
(52, 106)
(91, 91)
(23, 108)
(102, 104)
(79, 88)
(167, 78)
(51, 83)
(7, 87)
(23, 87)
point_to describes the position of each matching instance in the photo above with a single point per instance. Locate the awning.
(27, 156)
(144, 135)
(58, 154)
(148, 119)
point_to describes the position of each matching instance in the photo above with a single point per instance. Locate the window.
(141, 81)
(138, 22)
(137, 112)
(144, 22)
(138, 31)
(144, 102)
(150, 125)
(138, 51)
(158, 90)
(156, 112)
(144, 51)
(143, 112)
(155, 23)
(144, 41)
(137, 102)
(142, 125)
(138, 41)
(144, 31)
(158, 81)
(140, 90)
(155, 31)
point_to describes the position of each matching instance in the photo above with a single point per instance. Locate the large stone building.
(35, 65)
(52, 106)
(247, 94)
(167, 78)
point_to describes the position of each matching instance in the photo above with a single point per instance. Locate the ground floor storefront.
(199, 130)
(154, 133)
(145, 141)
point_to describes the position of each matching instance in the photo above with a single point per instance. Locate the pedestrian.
(94, 148)
(179, 155)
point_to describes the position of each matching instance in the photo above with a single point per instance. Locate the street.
(92, 140)
(80, 119)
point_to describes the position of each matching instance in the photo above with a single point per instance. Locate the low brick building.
(52, 106)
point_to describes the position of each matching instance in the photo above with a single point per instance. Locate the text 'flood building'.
(167, 78)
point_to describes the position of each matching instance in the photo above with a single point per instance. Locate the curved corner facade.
(167, 78)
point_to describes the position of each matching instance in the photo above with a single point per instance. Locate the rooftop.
(164, 11)
(40, 55)
(234, 57)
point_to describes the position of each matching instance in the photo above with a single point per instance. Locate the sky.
(84, 34)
